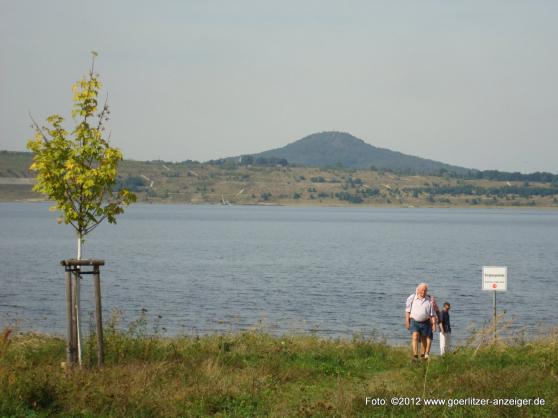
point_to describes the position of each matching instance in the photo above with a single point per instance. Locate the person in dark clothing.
(445, 329)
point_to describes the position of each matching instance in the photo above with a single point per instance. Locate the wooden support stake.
(73, 353)
(69, 316)
(99, 316)
(74, 318)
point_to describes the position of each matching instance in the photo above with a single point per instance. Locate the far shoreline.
(309, 205)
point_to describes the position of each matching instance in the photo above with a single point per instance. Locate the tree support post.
(76, 319)
(74, 270)
(70, 349)
(99, 316)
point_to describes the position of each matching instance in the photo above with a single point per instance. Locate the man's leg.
(423, 345)
(443, 343)
(415, 343)
(428, 343)
(448, 342)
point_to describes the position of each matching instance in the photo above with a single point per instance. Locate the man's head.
(447, 306)
(422, 289)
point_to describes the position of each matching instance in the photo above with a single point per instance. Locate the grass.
(255, 374)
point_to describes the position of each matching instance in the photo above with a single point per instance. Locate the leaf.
(78, 169)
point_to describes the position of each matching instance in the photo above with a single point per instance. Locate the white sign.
(495, 278)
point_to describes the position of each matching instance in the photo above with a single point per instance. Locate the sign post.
(494, 279)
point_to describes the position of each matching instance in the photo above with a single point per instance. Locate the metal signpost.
(494, 279)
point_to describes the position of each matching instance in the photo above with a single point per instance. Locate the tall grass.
(256, 374)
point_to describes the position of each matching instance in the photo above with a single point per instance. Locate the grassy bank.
(255, 374)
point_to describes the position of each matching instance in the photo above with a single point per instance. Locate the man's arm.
(432, 316)
(408, 306)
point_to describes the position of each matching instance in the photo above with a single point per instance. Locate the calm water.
(335, 271)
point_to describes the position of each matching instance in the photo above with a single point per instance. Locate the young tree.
(78, 169)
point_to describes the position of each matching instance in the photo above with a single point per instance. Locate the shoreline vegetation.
(228, 182)
(310, 205)
(253, 374)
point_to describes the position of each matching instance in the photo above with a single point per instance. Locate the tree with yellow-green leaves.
(78, 169)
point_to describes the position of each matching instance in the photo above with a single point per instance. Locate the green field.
(254, 374)
(196, 183)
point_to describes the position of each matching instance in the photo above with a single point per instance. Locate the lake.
(331, 271)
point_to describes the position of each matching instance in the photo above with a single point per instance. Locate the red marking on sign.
(493, 285)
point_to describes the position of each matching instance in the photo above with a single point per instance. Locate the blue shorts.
(423, 328)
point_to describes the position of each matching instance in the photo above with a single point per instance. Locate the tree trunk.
(78, 302)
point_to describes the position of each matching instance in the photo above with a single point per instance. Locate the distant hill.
(330, 149)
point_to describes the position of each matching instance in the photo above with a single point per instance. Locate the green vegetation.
(193, 182)
(78, 169)
(500, 192)
(254, 374)
(133, 183)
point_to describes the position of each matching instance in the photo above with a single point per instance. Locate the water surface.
(333, 271)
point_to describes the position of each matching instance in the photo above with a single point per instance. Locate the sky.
(470, 83)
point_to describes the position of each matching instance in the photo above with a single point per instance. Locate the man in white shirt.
(420, 319)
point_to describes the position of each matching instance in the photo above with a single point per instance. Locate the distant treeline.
(262, 161)
(539, 176)
(470, 190)
(496, 175)
(132, 183)
(251, 160)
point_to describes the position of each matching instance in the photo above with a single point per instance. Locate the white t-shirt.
(420, 309)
